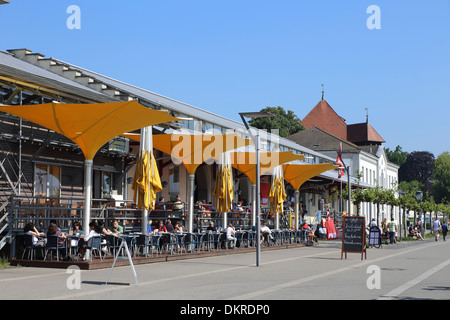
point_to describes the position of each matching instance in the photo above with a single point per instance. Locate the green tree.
(286, 122)
(418, 166)
(397, 156)
(441, 178)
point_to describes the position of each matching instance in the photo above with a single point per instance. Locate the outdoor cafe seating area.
(158, 244)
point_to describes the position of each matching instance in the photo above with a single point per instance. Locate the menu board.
(354, 235)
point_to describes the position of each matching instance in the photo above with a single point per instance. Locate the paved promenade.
(411, 270)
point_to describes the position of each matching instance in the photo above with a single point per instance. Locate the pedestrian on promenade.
(392, 227)
(444, 230)
(436, 228)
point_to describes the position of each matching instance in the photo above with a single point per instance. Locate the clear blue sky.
(233, 56)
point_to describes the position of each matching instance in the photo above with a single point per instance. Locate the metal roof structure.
(117, 90)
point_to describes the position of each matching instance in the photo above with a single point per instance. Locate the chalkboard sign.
(354, 236)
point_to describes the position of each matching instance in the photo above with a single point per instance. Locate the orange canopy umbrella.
(245, 162)
(191, 150)
(90, 126)
(297, 174)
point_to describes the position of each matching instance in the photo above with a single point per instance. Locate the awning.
(245, 162)
(90, 126)
(191, 150)
(297, 174)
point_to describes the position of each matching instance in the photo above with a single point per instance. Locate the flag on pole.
(341, 169)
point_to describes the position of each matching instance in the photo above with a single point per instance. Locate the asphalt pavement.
(409, 270)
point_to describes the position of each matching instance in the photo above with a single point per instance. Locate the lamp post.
(255, 140)
(400, 195)
(419, 197)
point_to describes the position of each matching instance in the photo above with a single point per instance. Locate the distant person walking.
(392, 227)
(444, 230)
(436, 228)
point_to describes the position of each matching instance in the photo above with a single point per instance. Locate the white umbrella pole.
(296, 209)
(253, 204)
(191, 202)
(88, 194)
(146, 145)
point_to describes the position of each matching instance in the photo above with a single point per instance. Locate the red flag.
(339, 162)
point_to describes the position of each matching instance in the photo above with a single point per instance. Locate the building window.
(47, 181)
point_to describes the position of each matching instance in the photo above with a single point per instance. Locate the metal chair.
(95, 245)
(155, 244)
(202, 241)
(239, 238)
(190, 241)
(218, 239)
(53, 245)
(28, 245)
(210, 241)
(180, 242)
(142, 241)
(112, 243)
(171, 244)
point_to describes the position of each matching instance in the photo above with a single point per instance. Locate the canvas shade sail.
(90, 126)
(245, 162)
(277, 194)
(191, 150)
(297, 174)
(223, 189)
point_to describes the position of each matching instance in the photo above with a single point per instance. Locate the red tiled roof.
(323, 116)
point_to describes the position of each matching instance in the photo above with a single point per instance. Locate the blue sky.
(233, 56)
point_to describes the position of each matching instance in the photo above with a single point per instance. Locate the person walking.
(392, 227)
(436, 228)
(444, 230)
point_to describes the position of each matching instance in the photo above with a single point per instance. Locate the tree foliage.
(397, 156)
(286, 122)
(441, 177)
(418, 166)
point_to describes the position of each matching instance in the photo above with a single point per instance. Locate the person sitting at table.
(162, 227)
(95, 230)
(212, 227)
(160, 205)
(54, 230)
(150, 231)
(178, 205)
(116, 228)
(231, 234)
(31, 230)
(177, 227)
(169, 226)
(77, 229)
(266, 233)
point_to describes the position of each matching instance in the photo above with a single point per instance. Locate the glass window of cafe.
(47, 180)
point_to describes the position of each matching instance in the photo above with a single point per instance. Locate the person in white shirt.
(265, 232)
(87, 239)
(231, 234)
(31, 230)
(436, 228)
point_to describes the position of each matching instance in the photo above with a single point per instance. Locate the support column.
(253, 204)
(146, 145)
(87, 193)
(296, 208)
(191, 203)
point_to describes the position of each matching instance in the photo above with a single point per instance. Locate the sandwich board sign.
(354, 236)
